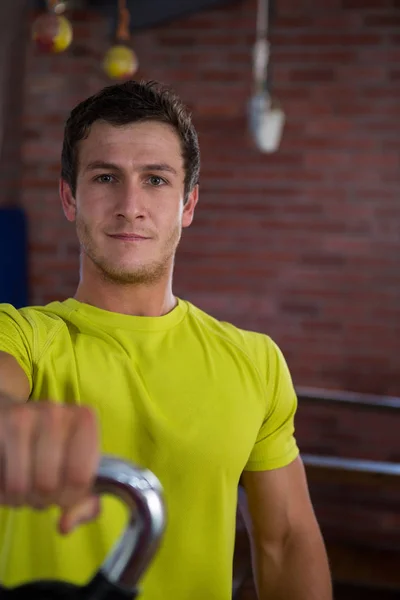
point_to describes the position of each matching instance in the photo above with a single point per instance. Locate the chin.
(133, 274)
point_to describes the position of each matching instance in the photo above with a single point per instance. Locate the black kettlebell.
(118, 577)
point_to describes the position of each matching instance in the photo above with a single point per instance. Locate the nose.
(130, 202)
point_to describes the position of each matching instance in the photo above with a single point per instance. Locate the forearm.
(298, 570)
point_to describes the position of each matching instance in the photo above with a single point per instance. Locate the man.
(128, 369)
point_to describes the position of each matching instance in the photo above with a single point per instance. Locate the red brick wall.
(303, 244)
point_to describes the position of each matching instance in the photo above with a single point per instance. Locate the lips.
(129, 237)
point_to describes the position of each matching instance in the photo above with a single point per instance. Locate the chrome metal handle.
(141, 491)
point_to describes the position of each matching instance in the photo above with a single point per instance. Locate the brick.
(327, 39)
(386, 20)
(35, 183)
(298, 308)
(283, 21)
(281, 55)
(336, 160)
(371, 74)
(312, 75)
(321, 260)
(365, 4)
(336, 21)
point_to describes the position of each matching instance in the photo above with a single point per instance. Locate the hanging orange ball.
(120, 62)
(52, 33)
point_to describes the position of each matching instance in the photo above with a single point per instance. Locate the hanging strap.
(124, 17)
(261, 49)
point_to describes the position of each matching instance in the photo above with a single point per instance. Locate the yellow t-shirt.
(193, 399)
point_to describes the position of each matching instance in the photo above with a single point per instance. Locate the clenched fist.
(49, 455)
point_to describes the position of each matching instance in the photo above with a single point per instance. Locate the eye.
(105, 178)
(156, 181)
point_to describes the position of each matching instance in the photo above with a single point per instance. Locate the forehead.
(145, 142)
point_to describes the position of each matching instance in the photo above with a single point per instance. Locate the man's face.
(129, 203)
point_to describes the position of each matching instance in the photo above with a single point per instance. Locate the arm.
(14, 384)
(288, 552)
(56, 436)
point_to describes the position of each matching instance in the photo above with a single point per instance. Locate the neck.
(139, 300)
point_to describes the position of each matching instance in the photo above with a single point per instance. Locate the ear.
(67, 200)
(188, 209)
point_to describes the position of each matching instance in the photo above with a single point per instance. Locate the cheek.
(163, 213)
(173, 220)
(93, 208)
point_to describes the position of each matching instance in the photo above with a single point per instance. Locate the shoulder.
(259, 347)
(33, 326)
(49, 316)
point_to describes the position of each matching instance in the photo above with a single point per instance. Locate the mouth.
(128, 237)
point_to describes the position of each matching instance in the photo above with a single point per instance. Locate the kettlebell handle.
(119, 575)
(141, 491)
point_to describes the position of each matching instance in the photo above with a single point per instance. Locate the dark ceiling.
(149, 13)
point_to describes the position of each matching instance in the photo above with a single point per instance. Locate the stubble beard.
(141, 274)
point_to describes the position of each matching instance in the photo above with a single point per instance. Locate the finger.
(17, 433)
(81, 458)
(48, 450)
(81, 513)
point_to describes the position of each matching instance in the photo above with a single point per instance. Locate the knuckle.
(53, 415)
(45, 489)
(39, 503)
(51, 409)
(15, 493)
(15, 489)
(19, 420)
(78, 479)
(86, 416)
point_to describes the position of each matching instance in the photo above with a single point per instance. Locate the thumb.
(85, 511)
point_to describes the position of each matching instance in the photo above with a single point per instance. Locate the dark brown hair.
(125, 103)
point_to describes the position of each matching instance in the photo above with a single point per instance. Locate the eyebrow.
(99, 164)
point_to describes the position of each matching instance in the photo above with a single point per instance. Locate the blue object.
(13, 257)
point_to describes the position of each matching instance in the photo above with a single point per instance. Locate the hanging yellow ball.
(52, 33)
(120, 62)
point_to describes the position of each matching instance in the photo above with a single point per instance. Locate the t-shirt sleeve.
(276, 445)
(16, 338)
